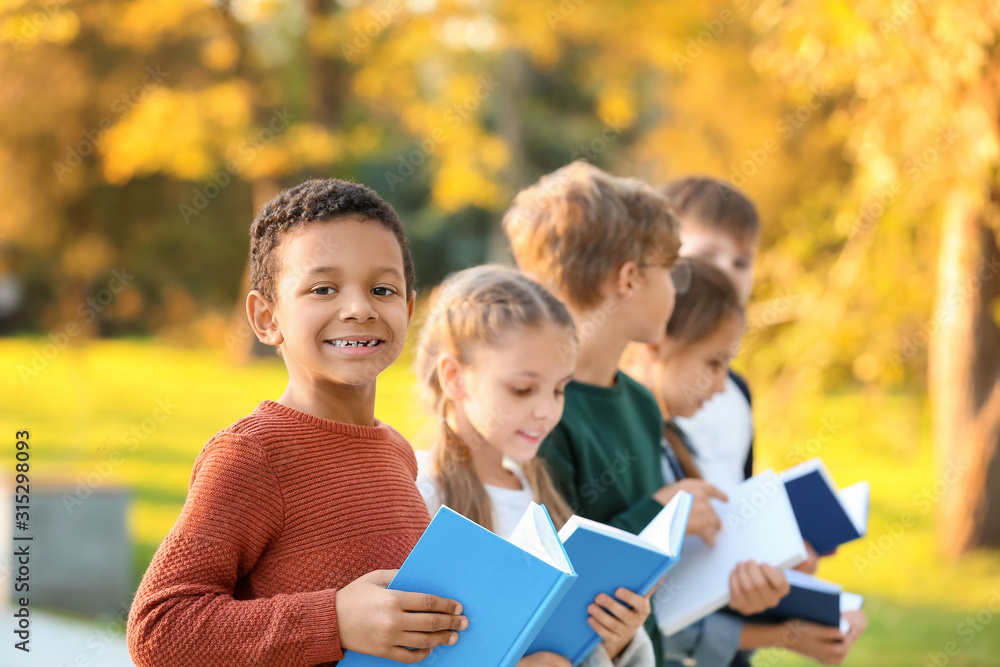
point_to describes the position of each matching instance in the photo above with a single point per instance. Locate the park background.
(137, 138)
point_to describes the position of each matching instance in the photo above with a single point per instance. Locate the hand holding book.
(375, 620)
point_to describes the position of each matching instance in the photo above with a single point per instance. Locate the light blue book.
(508, 588)
(606, 559)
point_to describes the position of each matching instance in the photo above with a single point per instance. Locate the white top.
(721, 433)
(509, 505)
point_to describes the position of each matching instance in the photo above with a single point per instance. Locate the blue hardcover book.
(608, 558)
(507, 589)
(827, 517)
(814, 600)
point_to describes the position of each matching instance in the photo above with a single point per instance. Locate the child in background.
(605, 247)
(683, 370)
(286, 541)
(721, 225)
(487, 360)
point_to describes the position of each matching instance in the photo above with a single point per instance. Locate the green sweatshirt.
(605, 458)
(605, 453)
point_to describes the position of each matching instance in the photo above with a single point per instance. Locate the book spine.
(557, 590)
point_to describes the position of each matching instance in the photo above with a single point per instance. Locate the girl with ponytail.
(494, 357)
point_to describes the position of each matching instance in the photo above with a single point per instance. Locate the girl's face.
(688, 374)
(511, 395)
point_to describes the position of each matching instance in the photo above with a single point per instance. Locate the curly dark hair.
(317, 200)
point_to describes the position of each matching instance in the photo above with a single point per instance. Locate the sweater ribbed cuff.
(318, 613)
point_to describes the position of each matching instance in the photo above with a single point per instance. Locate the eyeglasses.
(682, 275)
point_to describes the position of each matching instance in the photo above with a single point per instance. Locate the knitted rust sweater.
(283, 509)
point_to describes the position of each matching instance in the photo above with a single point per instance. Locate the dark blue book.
(811, 599)
(827, 517)
(606, 559)
(507, 589)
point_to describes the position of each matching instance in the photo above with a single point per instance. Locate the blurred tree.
(917, 90)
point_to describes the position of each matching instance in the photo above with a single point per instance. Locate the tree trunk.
(964, 377)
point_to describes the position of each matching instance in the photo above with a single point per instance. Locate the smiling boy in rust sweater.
(297, 513)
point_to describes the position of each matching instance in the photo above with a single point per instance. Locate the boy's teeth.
(355, 343)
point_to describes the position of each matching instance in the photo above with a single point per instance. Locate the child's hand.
(811, 562)
(756, 587)
(858, 621)
(374, 620)
(544, 659)
(824, 644)
(702, 521)
(615, 622)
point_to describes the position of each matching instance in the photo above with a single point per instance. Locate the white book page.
(534, 534)
(801, 469)
(855, 500)
(809, 582)
(849, 602)
(758, 524)
(576, 522)
(666, 531)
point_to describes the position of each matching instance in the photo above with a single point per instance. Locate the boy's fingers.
(775, 578)
(716, 492)
(631, 598)
(417, 622)
(428, 640)
(427, 602)
(604, 631)
(613, 606)
(407, 656)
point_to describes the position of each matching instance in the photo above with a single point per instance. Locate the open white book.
(757, 524)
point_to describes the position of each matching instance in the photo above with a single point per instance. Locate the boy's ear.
(410, 304)
(260, 312)
(450, 377)
(627, 279)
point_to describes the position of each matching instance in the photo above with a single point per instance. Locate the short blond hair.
(575, 227)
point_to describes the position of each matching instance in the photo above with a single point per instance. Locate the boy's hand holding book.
(756, 587)
(703, 520)
(374, 620)
(825, 645)
(616, 622)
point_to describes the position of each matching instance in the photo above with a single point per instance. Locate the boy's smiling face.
(342, 305)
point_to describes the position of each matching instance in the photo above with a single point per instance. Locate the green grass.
(83, 404)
